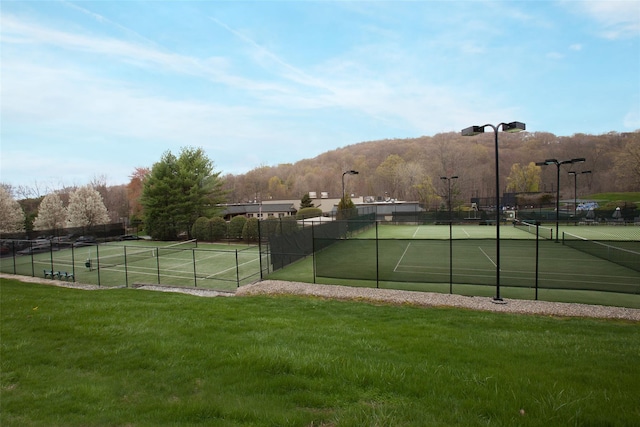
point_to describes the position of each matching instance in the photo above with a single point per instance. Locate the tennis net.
(627, 257)
(544, 232)
(132, 254)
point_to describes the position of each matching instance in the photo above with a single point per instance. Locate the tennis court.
(424, 254)
(211, 266)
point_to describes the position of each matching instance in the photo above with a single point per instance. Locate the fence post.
(98, 263)
(450, 255)
(313, 251)
(237, 271)
(33, 267)
(195, 275)
(13, 251)
(537, 254)
(377, 259)
(158, 263)
(126, 268)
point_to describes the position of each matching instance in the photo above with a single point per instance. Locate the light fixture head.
(472, 130)
(513, 127)
(578, 160)
(551, 162)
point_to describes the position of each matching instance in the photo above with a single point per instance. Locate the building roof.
(245, 208)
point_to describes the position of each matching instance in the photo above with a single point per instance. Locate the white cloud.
(617, 19)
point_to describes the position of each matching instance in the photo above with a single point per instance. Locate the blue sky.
(97, 88)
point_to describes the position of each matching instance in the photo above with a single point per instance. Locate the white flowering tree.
(52, 215)
(11, 214)
(86, 208)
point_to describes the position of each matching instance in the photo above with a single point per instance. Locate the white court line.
(465, 232)
(403, 254)
(416, 232)
(485, 254)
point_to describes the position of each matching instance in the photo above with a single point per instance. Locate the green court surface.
(421, 254)
(221, 267)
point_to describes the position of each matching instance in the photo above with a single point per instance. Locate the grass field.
(140, 358)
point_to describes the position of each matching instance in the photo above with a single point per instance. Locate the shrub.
(250, 230)
(308, 213)
(235, 227)
(219, 228)
(201, 229)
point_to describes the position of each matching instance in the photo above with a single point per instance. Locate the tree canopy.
(178, 191)
(11, 214)
(52, 215)
(86, 208)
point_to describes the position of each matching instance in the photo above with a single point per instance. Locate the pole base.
(498, 300)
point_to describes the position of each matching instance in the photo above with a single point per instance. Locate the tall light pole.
(575, 190)
(506, 127)
(559, 163)
(351, 172)
(448, 179)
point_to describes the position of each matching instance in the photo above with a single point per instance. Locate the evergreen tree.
(306, 202)
(346, 208)
(179, 190)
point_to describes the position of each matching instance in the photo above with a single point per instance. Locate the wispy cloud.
(617, 19)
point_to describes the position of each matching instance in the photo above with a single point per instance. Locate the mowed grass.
(140, 358)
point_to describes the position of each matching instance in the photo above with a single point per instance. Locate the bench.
(66, 276)
(61, 275)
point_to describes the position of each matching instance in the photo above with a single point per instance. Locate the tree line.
(172, 194)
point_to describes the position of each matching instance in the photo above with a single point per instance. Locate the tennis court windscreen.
(625, 253)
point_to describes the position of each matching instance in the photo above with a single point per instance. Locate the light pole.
(559, 163)
(575, 190)
(448, 179)
(506, 127)
(351, 172)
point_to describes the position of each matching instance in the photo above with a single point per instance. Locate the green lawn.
(139, 358)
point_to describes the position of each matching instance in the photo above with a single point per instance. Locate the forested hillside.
(410, 169)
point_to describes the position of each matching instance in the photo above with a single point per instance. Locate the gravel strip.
(429, 299)
(388, 296)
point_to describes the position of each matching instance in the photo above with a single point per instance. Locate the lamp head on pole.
(513, 127)
(472, 130)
